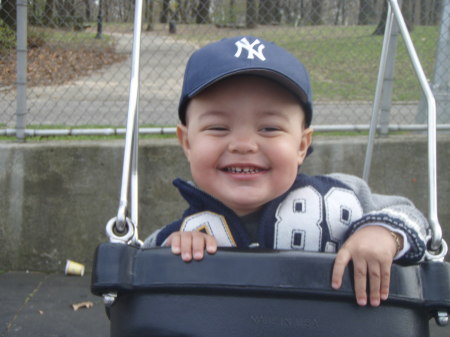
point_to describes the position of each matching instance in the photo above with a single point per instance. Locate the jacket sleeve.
(394, 212)
(158, 237)
(150, 241)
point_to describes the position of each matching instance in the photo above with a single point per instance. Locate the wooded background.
(249, 13)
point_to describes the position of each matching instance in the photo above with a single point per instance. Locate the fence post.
(441, 80)
(21, 69)
(388, 79)
(99, 20)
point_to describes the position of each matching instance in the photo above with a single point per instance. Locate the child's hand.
(191, 244)
(372, 250)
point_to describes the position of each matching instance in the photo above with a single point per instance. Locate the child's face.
(244, 141)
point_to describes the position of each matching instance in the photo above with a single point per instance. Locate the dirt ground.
(49, 65)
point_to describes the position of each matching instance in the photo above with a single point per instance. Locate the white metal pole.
(378, 94)
(436, 241)
(21, 70)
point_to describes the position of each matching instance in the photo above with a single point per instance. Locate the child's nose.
(242, 147)
(243, 143)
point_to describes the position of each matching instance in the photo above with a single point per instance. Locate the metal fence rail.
(79, 60)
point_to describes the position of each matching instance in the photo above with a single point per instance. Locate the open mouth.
(243, 170)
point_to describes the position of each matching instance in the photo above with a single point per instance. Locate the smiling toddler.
(246, 112)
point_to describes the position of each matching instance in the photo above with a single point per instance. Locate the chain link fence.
(78, 56)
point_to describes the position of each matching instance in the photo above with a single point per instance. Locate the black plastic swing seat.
(258, 293)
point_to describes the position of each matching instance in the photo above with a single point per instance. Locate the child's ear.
(183, 139)
(304, 144)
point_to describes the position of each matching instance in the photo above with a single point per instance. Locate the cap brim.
(266, 73)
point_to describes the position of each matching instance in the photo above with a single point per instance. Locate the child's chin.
(242, 207)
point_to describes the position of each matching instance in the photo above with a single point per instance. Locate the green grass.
(7, 38)
(343, 61)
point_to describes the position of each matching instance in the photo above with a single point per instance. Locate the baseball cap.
(245, 55)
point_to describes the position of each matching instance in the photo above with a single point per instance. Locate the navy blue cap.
(245, 55)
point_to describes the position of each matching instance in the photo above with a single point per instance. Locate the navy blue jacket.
(318, 213)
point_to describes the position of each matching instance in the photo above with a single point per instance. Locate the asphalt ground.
(40, 305)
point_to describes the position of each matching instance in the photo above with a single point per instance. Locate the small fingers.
(385, 280)
(342, 259)
(360, 279)
(378, 275)
(174, 242)
(198, 246)
(375, 284)
(186, 246)
(380, 278)
(211, 244)
(191, 245)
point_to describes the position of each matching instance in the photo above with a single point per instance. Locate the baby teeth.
(242, 170)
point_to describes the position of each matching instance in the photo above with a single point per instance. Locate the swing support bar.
(437, 246)
(124, 227)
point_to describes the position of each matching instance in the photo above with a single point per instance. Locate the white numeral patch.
(210, 223)
(298, 220)
(300, 215)
(341, 208)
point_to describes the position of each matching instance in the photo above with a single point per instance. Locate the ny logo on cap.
(252, 52)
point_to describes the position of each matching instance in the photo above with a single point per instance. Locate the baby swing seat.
(258, 293)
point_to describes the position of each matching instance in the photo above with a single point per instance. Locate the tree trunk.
(269, 12)
(60, 10)
(316, 12)
(408, 15)
(251, 18)
(437, 12)
(366, 14)
(264, 12)
(182, 15)
(408, 8)
(382, 23)
(149, 12)
(48, 13)
(423, 17)
(8, 13)
(87, 10)
(105, 9)
(164, 15)
(203, 12)
(70, 5)
(232, 12)
(341, 13)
